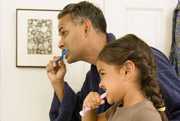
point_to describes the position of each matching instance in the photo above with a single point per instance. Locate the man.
(82, 28)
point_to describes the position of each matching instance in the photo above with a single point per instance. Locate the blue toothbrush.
(64, 52)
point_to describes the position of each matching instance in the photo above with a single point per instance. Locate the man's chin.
(69, 60)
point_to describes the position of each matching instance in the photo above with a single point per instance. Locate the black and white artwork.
(39, 36)
(36, 37)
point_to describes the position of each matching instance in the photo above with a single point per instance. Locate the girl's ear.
(129, 67)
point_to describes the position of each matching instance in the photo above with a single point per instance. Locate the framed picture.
(36, 37)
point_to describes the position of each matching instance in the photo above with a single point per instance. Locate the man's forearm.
(65, 108)
(59, 90)
(89, 116)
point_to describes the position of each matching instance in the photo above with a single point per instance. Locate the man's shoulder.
(92, 70)
(92, 74)
(162, 61)
(159, 53)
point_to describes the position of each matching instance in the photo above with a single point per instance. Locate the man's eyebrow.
(100, 70)
(60, 28)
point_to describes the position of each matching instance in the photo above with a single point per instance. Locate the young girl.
(128, 75)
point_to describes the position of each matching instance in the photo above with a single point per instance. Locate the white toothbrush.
(82, 112)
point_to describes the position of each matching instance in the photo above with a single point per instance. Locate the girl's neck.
(133, 97)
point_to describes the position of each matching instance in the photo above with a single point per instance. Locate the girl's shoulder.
(146, 112)
(142, 111)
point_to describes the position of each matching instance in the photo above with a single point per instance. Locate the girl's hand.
(92, 101)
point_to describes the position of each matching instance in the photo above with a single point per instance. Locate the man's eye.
(64, 33)
(102, 73)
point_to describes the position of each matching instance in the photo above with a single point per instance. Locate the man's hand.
(56, 72)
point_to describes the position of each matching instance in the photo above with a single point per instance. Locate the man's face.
(72, 38)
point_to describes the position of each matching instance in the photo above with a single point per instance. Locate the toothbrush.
(82, 112)
(64, 52)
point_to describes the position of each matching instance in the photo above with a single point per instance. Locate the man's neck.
(98, 41)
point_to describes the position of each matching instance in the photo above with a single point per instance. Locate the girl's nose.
(101, 85)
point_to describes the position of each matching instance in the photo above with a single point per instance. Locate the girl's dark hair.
(130, 47)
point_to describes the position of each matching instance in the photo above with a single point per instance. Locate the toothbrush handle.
(64, 52)
(82, 112)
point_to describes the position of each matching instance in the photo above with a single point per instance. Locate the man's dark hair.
(85, 10)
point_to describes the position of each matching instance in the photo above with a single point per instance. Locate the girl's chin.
(109, 101)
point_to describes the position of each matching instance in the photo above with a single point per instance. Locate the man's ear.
(87, 25)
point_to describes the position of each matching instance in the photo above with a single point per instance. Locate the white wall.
(25, 93)
(149, 19)
(0, 60)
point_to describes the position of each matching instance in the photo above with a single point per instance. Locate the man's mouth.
(66, 56)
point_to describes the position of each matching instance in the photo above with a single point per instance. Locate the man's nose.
(61, 44)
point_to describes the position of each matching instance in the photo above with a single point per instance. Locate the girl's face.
(113, 80)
